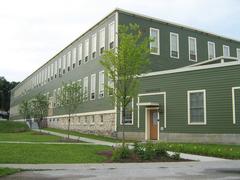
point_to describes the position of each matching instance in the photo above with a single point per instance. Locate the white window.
(46, 74)
(226, 51)
(154, 44)
(74, 58)
(93, 86)
(129, 113)
(238, 53)
(55, 69)
(94, 45)
(211, 50)
(79, 54)
(110, 86)
(60, 67)
(192, 48)
(86, 50)
(85, 88)
(52, 67)
(101, 40)
(174, 45)
(197, 107)
(111, 34)
(101, 84)
(64, 64)
(69, 55)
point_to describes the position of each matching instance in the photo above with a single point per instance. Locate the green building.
(191, 94)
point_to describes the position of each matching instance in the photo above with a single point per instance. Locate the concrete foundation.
(201, 138)
(102, 124)
(140, 136)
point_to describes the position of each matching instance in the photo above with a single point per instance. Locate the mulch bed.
(134, 158)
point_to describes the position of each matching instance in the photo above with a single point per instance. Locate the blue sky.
(34, 31)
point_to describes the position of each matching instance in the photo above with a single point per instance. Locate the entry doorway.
(152, 123)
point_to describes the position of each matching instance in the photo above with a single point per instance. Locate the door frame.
(147, 122)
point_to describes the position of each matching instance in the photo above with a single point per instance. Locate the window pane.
(197, 107)
(174, 45)
(154, 44)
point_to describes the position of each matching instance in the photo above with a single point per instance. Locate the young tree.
(25, 109)
(124, 64)
(39, 105)
(70, 97)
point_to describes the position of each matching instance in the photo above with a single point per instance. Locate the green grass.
(30, 136)
(92, 136)
(8, 171)
(11, 126)
(215, 150)
(51, 153)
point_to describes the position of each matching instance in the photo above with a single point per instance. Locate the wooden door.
(153, 124)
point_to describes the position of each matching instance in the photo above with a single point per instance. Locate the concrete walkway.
(223, 170)
(98, 142)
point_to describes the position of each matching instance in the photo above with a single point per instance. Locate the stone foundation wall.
(139, 136)
(102, 124)
(201, 138)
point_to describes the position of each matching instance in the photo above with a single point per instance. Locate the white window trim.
(80, 52)
(238, 53)
(86, 55)
(132, 114)
(209, 42)
(103, 29)
(205, 108)
(158, 34)
(171, 33)
(225, 46)
(99, 84)
(234, 103)
(109, 34)
(195, 43)
(95, 50)
(84, 80)
(91, 88)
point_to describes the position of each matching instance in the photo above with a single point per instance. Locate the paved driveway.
(184, 170)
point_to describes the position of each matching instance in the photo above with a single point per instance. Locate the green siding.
(217, 82)
(237, 106)
(163, 61)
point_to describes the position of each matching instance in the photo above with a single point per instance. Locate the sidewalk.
(98, 142)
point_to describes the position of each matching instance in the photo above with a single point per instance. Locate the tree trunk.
(68, 125)
(123, 126)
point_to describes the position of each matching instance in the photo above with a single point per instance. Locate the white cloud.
(34, 31)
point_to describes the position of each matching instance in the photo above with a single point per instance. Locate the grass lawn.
(8, 171)
(215, 150)
(51, 153)
(92, 136)
(11, 126)
(29, 136)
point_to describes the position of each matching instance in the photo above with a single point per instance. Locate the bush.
(139, 150)
(160, 151)
(149, 152)
(176, 156)
(121, 153)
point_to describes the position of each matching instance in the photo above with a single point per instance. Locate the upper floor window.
(101, 40)
(52, 68)
(59, 67)
(69, 55)
(86, 50)
(93, 86)
(111, 32)
(197, 107)
(64, 64)
(94, 45)
(238, 53)
(85, 88)
(79, 54)
(154, 44)
(211, 50)
(74, 58)
(226, 51)
(174, 45)
(55, 68)
(101, 84)
(192, 48)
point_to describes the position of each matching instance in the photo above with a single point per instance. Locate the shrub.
(160, 151)
(139, 150)
(175, 156)
(149, 152)
(121, 153)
